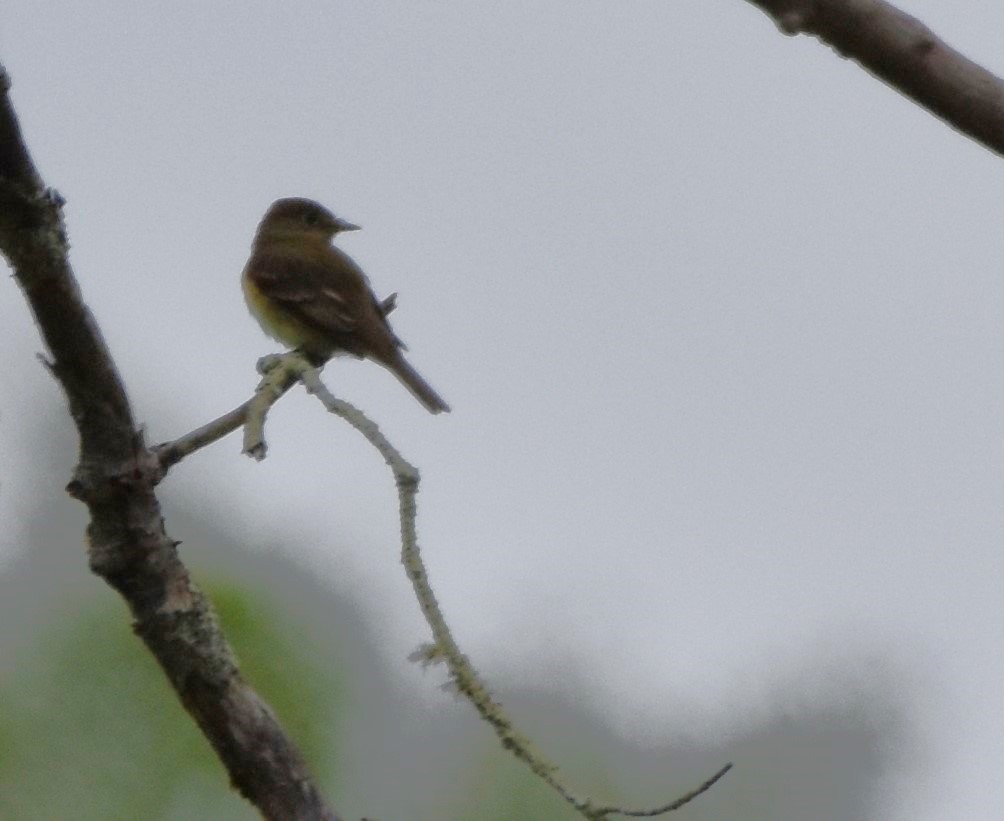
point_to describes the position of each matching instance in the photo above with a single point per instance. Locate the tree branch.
(445, 648)
(902, 51)
(278, 373)
(127, 543)
(890, 44)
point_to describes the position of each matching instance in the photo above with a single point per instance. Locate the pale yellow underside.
(278, 324)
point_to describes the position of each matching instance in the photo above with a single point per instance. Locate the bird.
(312, 296)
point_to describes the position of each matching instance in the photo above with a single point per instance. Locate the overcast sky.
(719, 316)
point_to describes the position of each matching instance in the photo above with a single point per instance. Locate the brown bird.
(310, 295)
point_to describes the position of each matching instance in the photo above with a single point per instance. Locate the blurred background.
(718, 315)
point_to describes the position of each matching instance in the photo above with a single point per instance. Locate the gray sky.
(718, 315)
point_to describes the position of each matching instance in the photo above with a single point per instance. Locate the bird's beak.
(343, 225)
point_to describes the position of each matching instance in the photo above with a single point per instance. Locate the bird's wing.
(309, 289)
(327, 291)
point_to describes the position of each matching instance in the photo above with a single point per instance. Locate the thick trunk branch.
(127, 543)
(903, 52)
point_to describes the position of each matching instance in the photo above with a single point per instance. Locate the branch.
(278, 373)
(893, 46)
(277, 379)
(902, 51)
(445, 649)
(127, 543)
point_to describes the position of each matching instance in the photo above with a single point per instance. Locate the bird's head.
(298, 216)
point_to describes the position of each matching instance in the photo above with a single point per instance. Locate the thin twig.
(276, 381)
(279, 374)
(686, 798)
(170, 453)
(445, 648)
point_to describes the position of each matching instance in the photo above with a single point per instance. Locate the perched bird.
(310, 295)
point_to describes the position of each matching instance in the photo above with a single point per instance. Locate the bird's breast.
(279, 323)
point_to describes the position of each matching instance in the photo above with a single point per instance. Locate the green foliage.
(89, 727)
(302, 693)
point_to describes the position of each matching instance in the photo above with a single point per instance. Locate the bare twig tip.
(258, 451)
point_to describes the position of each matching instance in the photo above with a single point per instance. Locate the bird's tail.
(421, 389)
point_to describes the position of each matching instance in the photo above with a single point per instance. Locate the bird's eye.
(311, 218)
